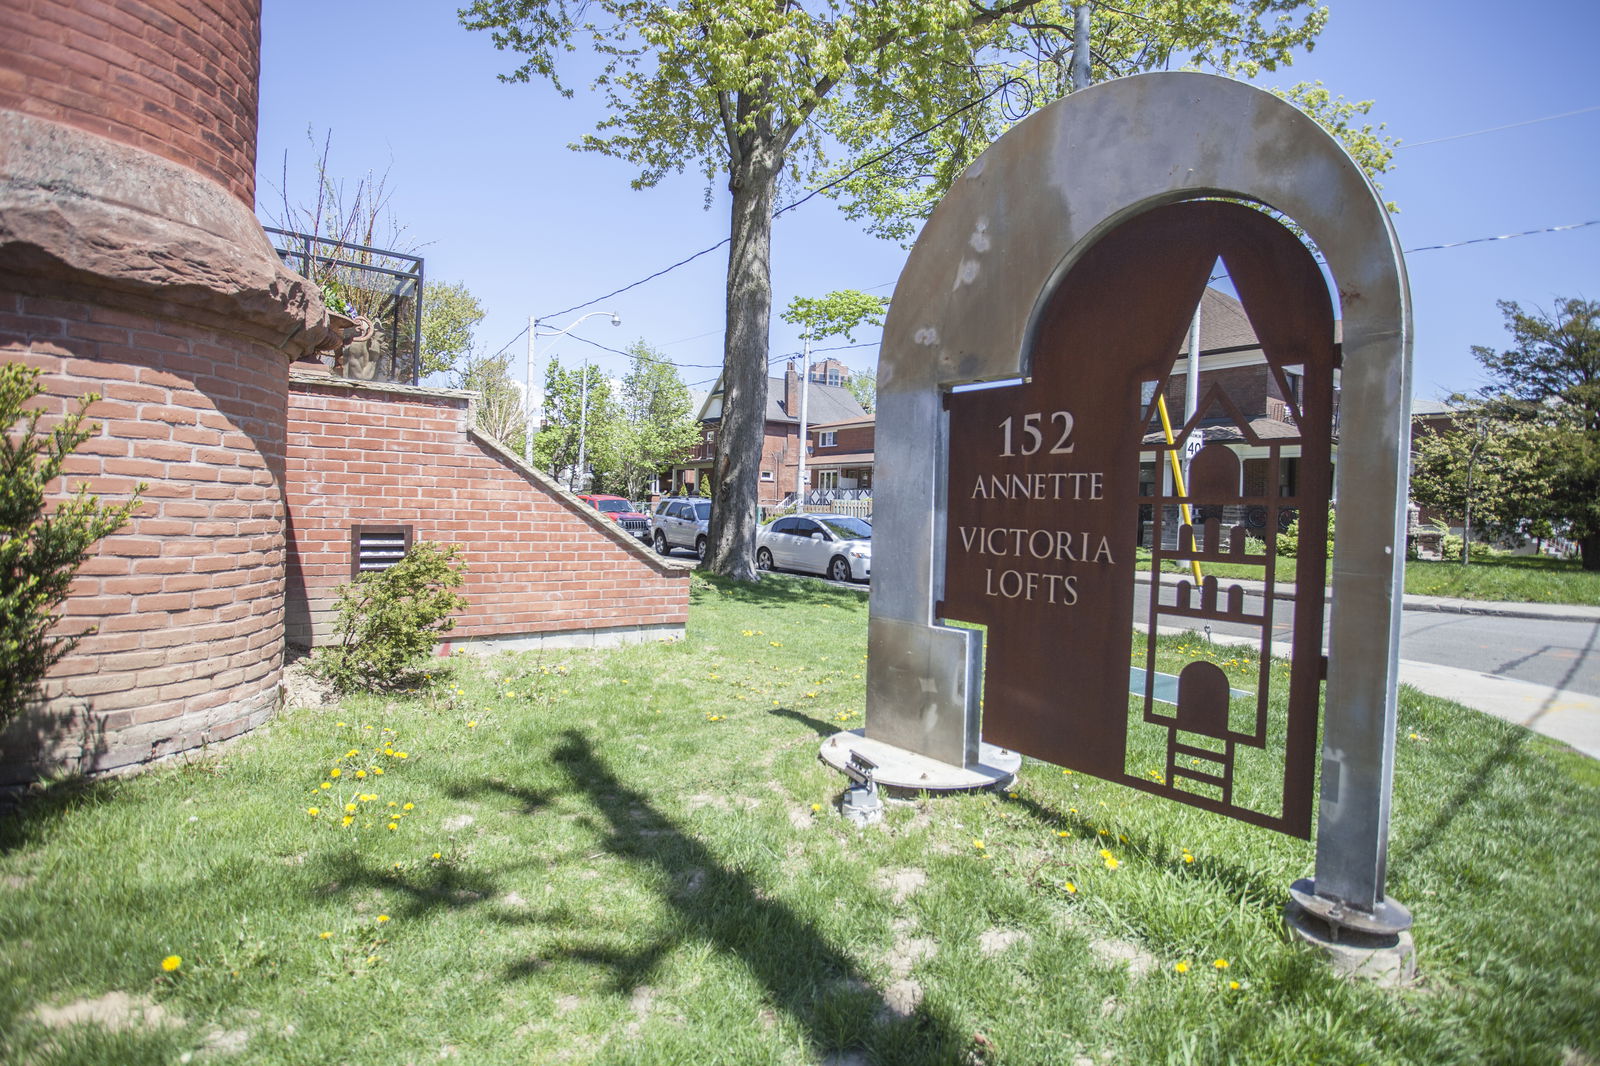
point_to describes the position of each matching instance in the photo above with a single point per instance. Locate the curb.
(1546, 612)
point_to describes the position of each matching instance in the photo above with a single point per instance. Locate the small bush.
(1289, 539)
(389, 621)
(40, 553)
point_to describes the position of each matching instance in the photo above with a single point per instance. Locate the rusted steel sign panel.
(1044, 513)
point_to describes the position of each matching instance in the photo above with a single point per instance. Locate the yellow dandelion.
(472, 724)
(382, 918)
(377, 771)
(775, 644)
(1072, 889)
(977, 843)
(1063, 833)
(438, 855)
(1234, 985)
(409, 807)
(816, 807)
(346, 820)
(1104, 854)
(349, 806)
(361, 774)
(339, 724)
(1221, 964)
(171, 963)
(392, 803)
(324, 935)
(1187, 857)
(394, 825)
(325, 784)
(1112, 864)
(313, 811)
(1011, 795)
(401, 755)
(1182, 967)
(335, 772)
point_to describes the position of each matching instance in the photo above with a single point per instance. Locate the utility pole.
(527, 396)
(805, 380)
(583, 424)
(1080, 46)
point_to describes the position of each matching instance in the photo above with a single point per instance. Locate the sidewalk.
(1570, 717)
(1548, 612)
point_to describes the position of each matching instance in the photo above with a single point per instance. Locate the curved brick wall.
(188, 598)
(131, 265)
(174, 77)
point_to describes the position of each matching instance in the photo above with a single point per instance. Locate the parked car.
(681, 522)
(837, 545)
(621, 512)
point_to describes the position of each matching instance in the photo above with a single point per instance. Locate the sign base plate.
(902, 769)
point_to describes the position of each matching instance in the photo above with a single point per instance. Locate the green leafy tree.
(658, 424)
(754, 93)
(41, 548)
(499, 411)
(1480, 471)
(390, 620)
(1549, 379)
(450, 314)
(863, 385)
(839, 314)
(578, 419)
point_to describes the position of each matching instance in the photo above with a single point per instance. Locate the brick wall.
(177, 78)
(539, 561)
(186, 603)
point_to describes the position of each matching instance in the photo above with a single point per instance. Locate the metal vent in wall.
(374, 548)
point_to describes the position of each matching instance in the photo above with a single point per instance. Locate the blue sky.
(483, 179)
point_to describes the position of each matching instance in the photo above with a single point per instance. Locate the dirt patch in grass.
(994, 941)
(115, 1011)
(901, 884)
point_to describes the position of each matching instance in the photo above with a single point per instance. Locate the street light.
(527, 389)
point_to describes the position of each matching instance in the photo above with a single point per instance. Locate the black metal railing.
(378, 284)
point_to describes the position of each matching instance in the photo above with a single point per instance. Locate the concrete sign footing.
(1374, 946)
(901, 769)
(1390, 960)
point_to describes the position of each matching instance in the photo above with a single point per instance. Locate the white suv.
(681, 522)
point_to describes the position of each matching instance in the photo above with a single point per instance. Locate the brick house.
(842, 453)
(1231, 360)
(780, 462)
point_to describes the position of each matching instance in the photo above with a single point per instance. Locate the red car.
(621, 512)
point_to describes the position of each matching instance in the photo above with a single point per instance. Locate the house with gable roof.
(780, 446)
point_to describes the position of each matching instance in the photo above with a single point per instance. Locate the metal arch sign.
(984, 298)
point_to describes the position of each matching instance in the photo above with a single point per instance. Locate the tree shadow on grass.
(815, 983)
(816, 725)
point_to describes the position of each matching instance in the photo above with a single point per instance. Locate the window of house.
(766, 475)
(827, 479)
(374, 548)
(835, 378)
(825, 440)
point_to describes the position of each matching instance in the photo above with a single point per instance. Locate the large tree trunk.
(737, 474)
(1589, 550)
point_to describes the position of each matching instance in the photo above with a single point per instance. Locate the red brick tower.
(131, 265)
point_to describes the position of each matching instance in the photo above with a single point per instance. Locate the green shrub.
(1289, 539)
(390, 620)
(40, 553)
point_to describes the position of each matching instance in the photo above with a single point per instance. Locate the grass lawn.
(631, 857)
(1508, 579)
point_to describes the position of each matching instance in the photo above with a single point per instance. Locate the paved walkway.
(1570, 717)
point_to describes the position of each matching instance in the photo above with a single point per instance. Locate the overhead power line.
(1497, 129)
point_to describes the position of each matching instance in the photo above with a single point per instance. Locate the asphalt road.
(1564, 655)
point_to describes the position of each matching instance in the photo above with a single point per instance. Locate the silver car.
(837, 545)
(681, 522)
